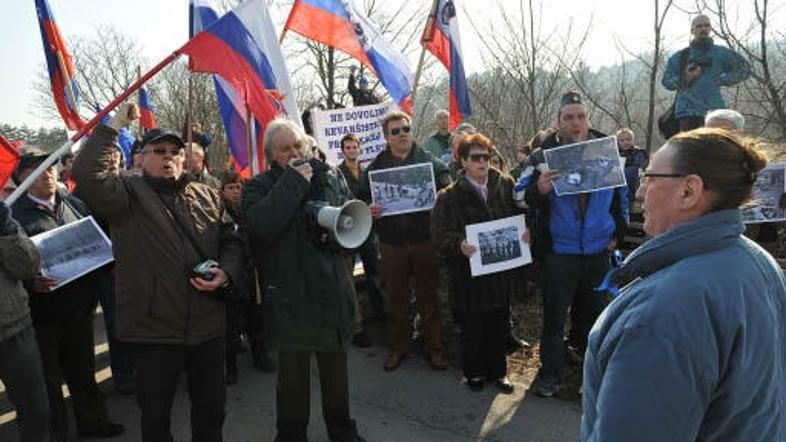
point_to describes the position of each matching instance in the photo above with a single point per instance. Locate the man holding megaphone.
(298, 220)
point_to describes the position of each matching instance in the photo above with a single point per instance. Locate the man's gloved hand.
(125, 114)
(8, 226)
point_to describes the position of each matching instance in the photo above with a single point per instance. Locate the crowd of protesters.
(691, 348)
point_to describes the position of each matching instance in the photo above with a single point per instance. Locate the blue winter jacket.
(721, 67)
(694, 348)
(560, 227)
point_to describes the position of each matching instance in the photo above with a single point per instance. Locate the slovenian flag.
(146, 118)
(441, 38)
(247, 33)
(60, 65)
(342, 25)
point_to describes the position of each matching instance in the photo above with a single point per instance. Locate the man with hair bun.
(692, 348)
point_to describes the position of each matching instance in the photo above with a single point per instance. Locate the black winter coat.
(457, 206)
(77, 300)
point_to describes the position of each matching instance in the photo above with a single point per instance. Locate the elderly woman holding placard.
(480, 194)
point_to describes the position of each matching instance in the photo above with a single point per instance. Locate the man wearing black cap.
(163, 225)
(62, 317)
(573, 237)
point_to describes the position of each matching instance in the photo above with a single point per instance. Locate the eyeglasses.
(478, 157)
(161, 151)
(650, 175)
(397, 130)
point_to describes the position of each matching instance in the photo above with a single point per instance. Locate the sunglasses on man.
(397, 130)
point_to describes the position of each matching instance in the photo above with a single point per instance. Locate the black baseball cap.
(156, 135)
(32, 158)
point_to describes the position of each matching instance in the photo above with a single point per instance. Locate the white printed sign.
(73, 250)
(330, 126)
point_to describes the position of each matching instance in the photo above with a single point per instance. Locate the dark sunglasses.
(161, 151)
(477, 157)
(397, 130)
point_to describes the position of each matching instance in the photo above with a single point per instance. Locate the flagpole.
(253, 162)
(55, 156)
(138, 75)
(189, 114)
(427, 34)
(67, 81)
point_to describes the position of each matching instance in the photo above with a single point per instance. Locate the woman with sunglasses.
(480, 194)
(693, 346)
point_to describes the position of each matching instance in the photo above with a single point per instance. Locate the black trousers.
(566, 276)
(21, 372)
(158, 368)
(483, 337)
(690, 123)
(293, 395)
(68, 353)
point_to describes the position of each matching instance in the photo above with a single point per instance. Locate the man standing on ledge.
(698, 79)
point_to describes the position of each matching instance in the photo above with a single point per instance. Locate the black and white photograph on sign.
(73, 250)
(586, 166)
(769, 196)
(403, 189)
(499, 245)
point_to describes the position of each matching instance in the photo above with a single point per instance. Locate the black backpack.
(668, 123)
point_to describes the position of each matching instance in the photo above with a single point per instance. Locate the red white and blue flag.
(441, 38)
(9, 159)
(146, 118)
(342, 25)
(60, 65)
(242, 48)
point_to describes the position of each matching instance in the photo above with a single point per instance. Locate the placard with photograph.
(403, 189)
(73, 250)
(586, 166)
(499, 245)
(769, 194)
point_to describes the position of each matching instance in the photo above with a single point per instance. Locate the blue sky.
(162, 25)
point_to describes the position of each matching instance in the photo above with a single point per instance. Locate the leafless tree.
(766, 94)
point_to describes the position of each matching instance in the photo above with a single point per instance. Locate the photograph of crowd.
(73, 250)
(769, 193)
(403, 189)
(587, 166)
(499, 245)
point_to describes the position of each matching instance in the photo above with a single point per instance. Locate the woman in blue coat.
(694, 345)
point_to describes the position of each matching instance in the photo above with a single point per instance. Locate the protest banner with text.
(330, 126)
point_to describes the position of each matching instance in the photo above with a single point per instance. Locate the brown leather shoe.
(437, 361)
(393, 361)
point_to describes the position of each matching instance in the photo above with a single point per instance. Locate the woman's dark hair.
(230, 176)
(727, 163)
(478, 140)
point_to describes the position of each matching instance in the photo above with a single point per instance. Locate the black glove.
(7, 224)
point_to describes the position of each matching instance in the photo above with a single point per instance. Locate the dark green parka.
(306, 285)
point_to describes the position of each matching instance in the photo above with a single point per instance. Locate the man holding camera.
(698, 72)
(165, 229)
(306, 285)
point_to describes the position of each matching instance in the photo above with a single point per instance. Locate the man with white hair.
(728, 119)
(307, 287)
(439, 143)
(697, 73)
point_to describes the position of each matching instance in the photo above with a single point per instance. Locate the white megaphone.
(349, 224)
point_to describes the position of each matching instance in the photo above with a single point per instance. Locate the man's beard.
(702, 42)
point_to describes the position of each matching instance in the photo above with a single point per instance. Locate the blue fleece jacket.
(694, 348)
(721, 67)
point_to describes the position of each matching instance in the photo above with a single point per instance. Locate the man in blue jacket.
(698, 75)
(573, 237)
